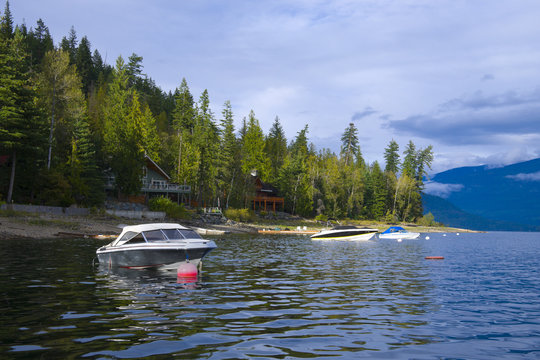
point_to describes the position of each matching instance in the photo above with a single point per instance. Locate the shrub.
(55, 189)
(427, 220)
(173, 210)
(242, 215)
(321, 217)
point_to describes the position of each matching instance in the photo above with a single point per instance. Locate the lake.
(279, 297)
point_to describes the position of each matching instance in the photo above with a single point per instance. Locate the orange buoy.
(434, 258)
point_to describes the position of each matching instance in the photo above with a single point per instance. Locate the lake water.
(279, 298)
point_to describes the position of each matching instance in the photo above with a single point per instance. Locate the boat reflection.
(141, 280)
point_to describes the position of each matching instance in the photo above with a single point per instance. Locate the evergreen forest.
(67, 119)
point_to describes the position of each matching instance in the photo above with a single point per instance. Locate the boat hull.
(397, 236)
(141, 257)
(344, 236)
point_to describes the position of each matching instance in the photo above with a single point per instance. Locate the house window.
(158, 184)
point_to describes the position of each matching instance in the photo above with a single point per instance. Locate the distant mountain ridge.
(487, 198)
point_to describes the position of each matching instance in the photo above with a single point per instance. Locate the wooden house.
(266, 197)
(156, 182)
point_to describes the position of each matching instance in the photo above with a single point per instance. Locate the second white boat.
(398, 233)
(345, 233)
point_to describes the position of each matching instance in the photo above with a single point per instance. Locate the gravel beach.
(46, 226)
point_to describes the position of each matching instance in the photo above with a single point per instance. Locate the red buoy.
(187, 272)
(434, 258)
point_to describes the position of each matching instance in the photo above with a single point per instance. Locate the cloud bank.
(526, 177)
(440, 189)
(462, 76)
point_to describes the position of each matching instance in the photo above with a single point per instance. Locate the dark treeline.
(67, 119)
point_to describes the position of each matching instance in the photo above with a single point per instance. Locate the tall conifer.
(83, 60)
(21, 130)
(391, 156)
(276, 148)
(6, 23)
(229, 158)
(349, 144)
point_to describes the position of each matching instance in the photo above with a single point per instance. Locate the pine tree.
(97, 64)
(21, 129)
(6, 24)
(83, 60)
(39, 42)
(349, 144)
(83, 173)
(187, 155)
(134, 69)
(229, 158)
(276, 149)
(69, 45)
(294, 180)
(391, 155)
(378, 206)
(423, 162)
(184, 112)
(410, 160)
(253, 156)
(206, 140)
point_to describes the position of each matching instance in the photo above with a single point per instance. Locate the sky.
(460, 75)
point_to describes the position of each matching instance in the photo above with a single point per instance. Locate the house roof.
(152, 165)
(265, 187)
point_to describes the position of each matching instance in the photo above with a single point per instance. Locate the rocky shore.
(47, 226)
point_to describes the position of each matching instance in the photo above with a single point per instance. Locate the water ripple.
(280, 297)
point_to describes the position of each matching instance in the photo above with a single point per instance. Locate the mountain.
(487, 198)
(447, 213)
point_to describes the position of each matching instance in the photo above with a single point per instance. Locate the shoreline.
(36, 226)
(39, 226)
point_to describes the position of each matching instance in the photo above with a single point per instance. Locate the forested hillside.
(67, 119)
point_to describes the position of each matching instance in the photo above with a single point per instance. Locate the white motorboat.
(155, 246)
(398, 233)
(345, 232)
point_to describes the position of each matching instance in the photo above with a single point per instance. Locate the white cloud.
(526, 177)
(440, 189)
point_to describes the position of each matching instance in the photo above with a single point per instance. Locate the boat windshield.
(172, 234)
(189, 234)
(154, 235)
(127, 236)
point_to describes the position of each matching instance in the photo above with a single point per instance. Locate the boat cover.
(393, 229)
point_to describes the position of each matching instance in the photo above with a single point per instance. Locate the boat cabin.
(154, 232)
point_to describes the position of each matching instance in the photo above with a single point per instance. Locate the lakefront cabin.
(266, 197)
(156, 182)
